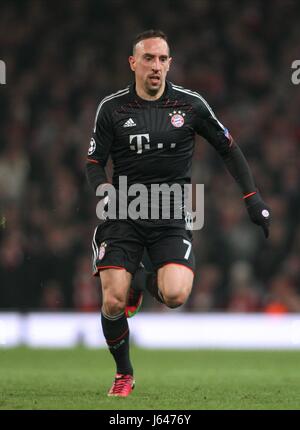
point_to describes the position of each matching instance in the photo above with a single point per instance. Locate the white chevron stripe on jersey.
(195, 94)
(95, 250)
(107, 98)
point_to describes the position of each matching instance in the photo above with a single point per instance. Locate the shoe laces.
(121, 382)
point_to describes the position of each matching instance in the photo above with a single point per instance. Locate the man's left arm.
(208, 126)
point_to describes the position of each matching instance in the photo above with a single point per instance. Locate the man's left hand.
(258, 211)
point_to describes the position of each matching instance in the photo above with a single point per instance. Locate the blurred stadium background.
(61, 59)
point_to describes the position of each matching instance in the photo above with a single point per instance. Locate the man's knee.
(174, 299)
(175, 283)
(113, 305)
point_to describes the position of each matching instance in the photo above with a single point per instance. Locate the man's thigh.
(115, 284)
(117, 245)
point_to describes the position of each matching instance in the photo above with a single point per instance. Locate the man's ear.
(170, 61)
(132, 62)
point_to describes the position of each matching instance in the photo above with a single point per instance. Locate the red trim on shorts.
(178, 264)
(110, 267)
(119, 338)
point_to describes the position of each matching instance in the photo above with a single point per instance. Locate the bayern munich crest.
(102, 250)
(177, 118)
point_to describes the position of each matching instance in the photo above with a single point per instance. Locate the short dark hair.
(148, 34)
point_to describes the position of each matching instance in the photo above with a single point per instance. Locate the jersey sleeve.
(99, 149)
(102, 136)
(208, 126)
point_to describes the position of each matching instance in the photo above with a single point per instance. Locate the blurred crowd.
(62, 58)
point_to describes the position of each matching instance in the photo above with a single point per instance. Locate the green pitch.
(79, 379)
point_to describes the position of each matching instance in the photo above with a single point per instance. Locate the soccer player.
(148, 129)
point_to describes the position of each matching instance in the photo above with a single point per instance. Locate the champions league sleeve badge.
(92, 147)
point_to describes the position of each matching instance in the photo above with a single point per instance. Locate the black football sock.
(143, 280)
(116, 332)
(138, 282)
(152, 287)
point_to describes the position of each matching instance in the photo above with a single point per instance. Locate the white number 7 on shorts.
(188, 251)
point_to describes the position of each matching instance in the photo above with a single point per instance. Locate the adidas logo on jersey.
(129, 123)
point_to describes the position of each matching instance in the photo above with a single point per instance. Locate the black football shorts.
(120, 244)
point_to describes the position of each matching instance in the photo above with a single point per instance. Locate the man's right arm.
(99, 149)
(95, 175)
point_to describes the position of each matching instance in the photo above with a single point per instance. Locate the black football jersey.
(152, 142)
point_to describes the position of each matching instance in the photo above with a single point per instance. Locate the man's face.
(150, 63)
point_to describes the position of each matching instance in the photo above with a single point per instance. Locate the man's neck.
(146, 96)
